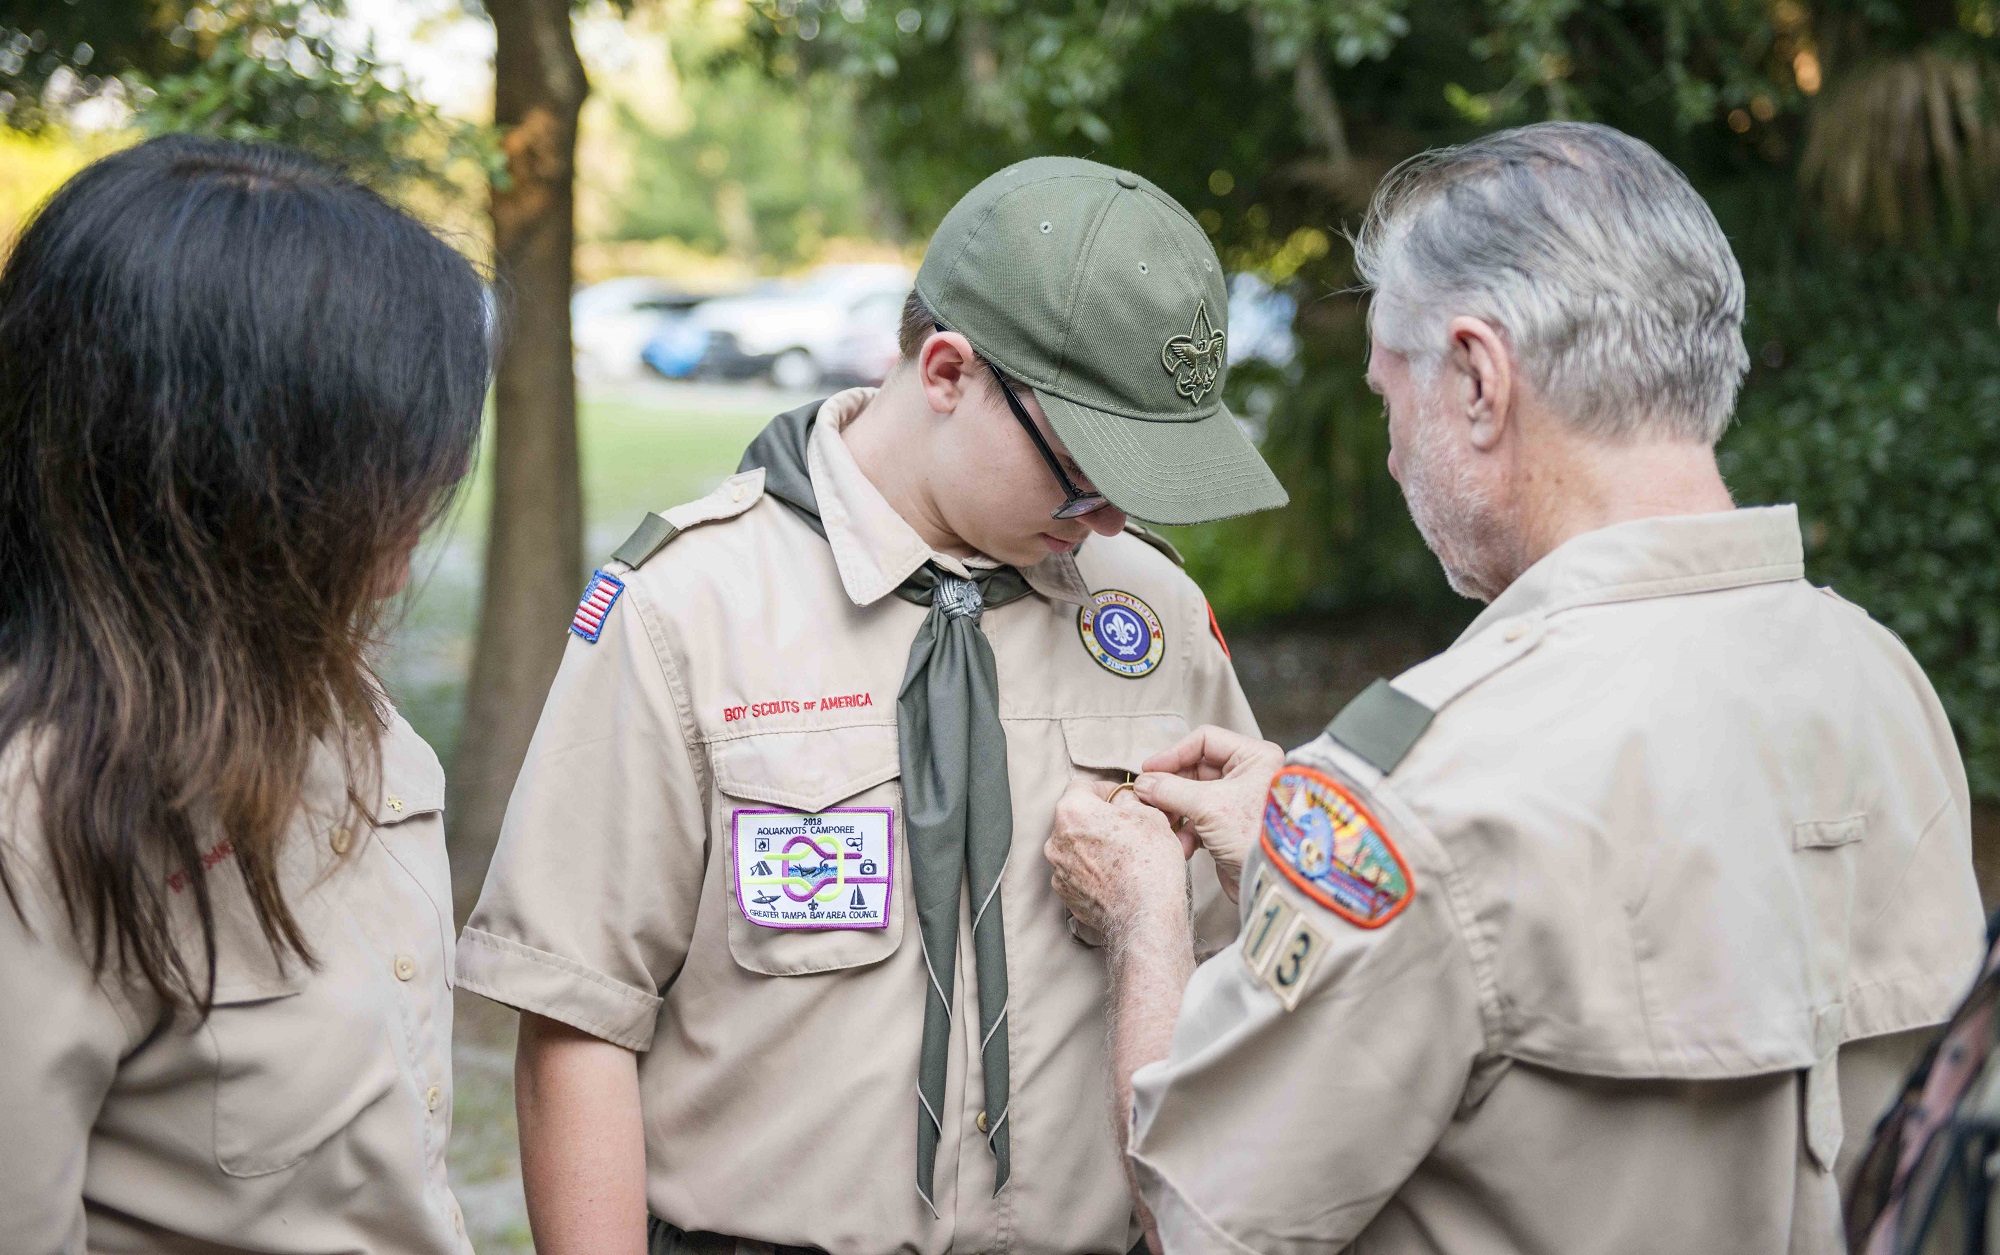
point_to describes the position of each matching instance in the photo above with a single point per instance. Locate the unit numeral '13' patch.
(1280, 946)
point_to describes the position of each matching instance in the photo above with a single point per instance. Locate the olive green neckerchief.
(956, 803)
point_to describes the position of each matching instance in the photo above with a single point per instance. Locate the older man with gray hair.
(1612, 927)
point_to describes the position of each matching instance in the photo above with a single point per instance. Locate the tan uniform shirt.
(746, 679)
(1689, 848)
(309, 1113)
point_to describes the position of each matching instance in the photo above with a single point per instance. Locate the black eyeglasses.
(1076, 502)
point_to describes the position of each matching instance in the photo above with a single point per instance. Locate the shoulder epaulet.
(731, 498)
(1381, 725)
(1157, 541)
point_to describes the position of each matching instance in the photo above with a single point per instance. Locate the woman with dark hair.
(234, 386)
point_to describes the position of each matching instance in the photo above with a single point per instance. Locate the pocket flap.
(808, 770)
(412, 778)
(1120, 742)
(1826, 834)
(237, 983)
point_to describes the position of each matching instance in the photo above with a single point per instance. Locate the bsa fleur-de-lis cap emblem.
(1195, 359)
(1096, 291)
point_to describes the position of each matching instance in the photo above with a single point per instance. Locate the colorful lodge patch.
(1323, 840)
(596, 604)
(1122, 633)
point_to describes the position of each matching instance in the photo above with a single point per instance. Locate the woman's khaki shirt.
(308, 1113)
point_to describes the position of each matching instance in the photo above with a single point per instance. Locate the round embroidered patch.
(1320, 836)
(1122, 633)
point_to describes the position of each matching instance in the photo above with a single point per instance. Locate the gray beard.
(1453, 512)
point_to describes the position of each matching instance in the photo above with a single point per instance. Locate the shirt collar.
(1656, 557)
(874, 548)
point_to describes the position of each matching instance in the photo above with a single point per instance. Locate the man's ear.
(1486, 364)
(945, 367)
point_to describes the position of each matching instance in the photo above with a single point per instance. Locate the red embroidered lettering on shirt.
(215, 854)
(758, 710)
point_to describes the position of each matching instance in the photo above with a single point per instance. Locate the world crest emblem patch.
(1195, 359)
(1122, 633)
(1323, 840)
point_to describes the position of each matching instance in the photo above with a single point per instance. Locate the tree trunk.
(534, 542)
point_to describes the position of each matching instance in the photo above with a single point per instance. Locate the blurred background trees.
(1850, 147)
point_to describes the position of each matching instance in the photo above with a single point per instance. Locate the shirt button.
(432, 1097)
(406, 967)
(1515, 631)
(396, 804)
(981, 1122)
(738, 493)
(341, 840)
(458, 1221)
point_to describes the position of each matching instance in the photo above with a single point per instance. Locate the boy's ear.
(945, 368)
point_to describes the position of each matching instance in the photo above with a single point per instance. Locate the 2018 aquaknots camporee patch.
(1323, 840)
(834, 869)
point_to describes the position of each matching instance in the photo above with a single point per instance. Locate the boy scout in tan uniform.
(309, 1113)
(1528, 1035)
(779, 829)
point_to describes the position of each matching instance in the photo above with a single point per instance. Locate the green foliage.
(79, 46)
(271, 72)
(762, 170)
(237, 69)
(1875, 404)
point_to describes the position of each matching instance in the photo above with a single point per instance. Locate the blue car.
(677, 348)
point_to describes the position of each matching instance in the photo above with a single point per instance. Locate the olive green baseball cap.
(1097, 290)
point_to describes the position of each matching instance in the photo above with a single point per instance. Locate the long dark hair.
(234, 386)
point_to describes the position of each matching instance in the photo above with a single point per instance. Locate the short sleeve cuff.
(557, 988)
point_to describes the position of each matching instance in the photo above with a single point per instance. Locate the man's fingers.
(1206, 745)
(1176, 795)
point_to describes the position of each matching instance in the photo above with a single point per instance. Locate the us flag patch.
(596, 603)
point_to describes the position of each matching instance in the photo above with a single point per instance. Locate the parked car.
(799, 332)
(868, 351)
(610, 322)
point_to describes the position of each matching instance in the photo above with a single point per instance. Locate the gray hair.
(1593, 255)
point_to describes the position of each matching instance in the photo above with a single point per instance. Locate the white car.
(610, 322)
(803, 331)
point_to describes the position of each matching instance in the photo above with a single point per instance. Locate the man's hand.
(1214, 783)
(1117, 864)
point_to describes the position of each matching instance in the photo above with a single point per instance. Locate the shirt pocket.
(1112, 748)
(809, 828)
(298, 1054)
